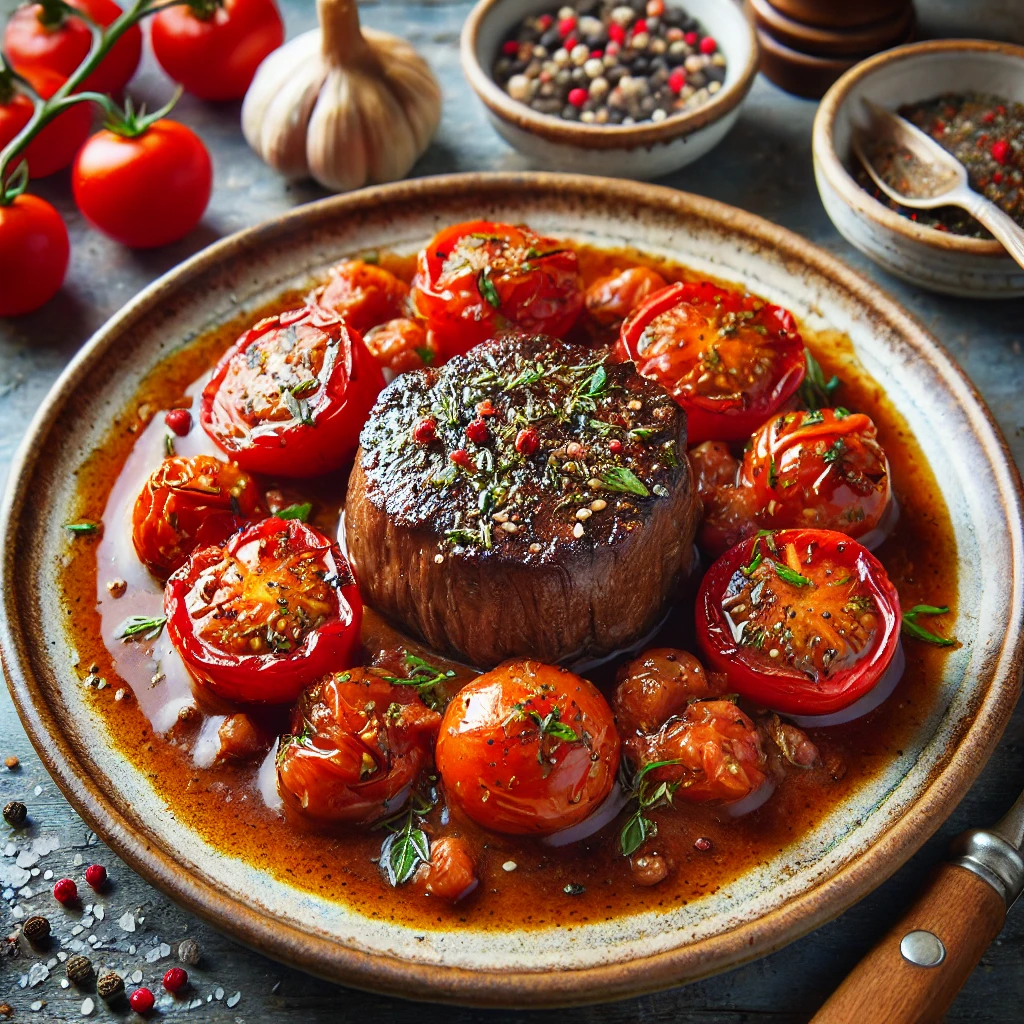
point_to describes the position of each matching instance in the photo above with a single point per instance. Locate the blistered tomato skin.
(257, 620)
(528, 749)
(402, 345)
(358, 744)
(654, 687)
(729, 359)
(476, 278)
(364, 295)
(805, 622)
(609, 300)
(188, 503)
(291, 396)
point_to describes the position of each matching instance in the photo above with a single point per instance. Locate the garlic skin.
(344, 105)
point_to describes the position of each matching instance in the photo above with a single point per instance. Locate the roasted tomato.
(805, 622)
(716, 748)
(402, 345)
(656, 686)
(358, 742)
(263, 616)
(292, 394)
(188, 503)
(363, 294)
(452, 871)
(729, 359)
(475, 278)
(528, 749)
(609, 300)
(729, 510)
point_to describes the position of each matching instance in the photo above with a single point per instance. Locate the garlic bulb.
(344, 105)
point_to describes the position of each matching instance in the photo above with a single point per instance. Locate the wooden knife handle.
(964, 912)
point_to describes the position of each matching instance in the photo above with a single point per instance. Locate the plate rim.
(393, 975)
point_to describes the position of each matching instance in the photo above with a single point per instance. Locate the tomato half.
(402, 345)
(805, 622)
(528, 749)
(292, 394)
(655, 686)
(358, 742)
(213, 47)
(34, 252)
(263, 616)
(475, 278)
(363, 294)
(729, 359)
(43, 37)
(717, 748)
(609, 300)
(144, 191)
(188, 503)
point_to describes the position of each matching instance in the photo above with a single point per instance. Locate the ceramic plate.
(853, 849)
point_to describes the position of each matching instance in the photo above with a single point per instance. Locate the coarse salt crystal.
(233, 1000)
(136, 977)
(127, 921)
(98, 912)
(218, 993)
(36, 973)
(509, 865)
(37, 1005)
(87, 1007)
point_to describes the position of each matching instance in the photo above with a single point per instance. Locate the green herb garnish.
(140, 627)
(784, 572)
(300, 512)
(407, 846)
(618, 478)
(911, 628)
(639, 827)
(169, 445)
(816, 391)
(82, 527)
(487, 289)
(425, 678)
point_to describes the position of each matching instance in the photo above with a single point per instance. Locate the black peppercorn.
(36, 929)
(79, 970)
(110, 985)
(15, 814)
(188, 952)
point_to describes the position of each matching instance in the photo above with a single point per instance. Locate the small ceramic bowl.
(643, 151)
(936, 260)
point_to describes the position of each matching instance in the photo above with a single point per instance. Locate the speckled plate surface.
(853, 849)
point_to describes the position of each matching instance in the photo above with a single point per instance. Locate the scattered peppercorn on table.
(113, 930)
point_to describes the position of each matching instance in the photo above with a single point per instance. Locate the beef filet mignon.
(530, 498)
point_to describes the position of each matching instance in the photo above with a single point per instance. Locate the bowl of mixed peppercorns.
(629, 88)
(968, 95)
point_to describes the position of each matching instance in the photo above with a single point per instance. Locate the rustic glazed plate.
(853, 849)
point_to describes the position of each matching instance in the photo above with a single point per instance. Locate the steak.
(530, 498)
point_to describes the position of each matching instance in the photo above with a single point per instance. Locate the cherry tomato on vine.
(805, 622)
(528, 748)
(472, 279)
(43, 36)
(729, 359)
(34, 252)
(263, 616)
(292, 394)
(363, 294)
(188, 503)
(358, 743)
(143, 184)
(55, 146)
(213, 47)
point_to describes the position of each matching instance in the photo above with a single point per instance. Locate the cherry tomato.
(188, 503)
(213, 47)
(656, 686)
(718, 749)
(55, 146)
(609, 300)
(528, 749)
(804, 622)
(34, 252)
(292, 394)
(477, 277)
(402, 345)
(729, 512)
(358, 742)
(263, 616)
(452, 871)
(42, 37)
(730, 360)
(363, 294)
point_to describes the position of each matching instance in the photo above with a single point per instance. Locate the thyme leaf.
(487, 289)
(911, 628)
(140, 627)
(300, 512)
(83, 527)
(816, 391)
(788, 575)
(618, 478)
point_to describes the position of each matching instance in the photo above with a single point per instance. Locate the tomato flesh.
(262, 616)
(476, 278)
(363, 294)
(292, 394)
(528, 749)
(402, 345)
(358, 743)
(801, 621)
(188, 503)
(730, 360)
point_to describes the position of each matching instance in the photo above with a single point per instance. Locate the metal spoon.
(940, 180)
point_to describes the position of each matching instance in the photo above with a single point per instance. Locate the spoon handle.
(1004, 227)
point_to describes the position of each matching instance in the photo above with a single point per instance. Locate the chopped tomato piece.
(452, 871)
(609, 300)
(402, 345)
(363, 294)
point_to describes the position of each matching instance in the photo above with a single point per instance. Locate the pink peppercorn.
(179, 420)
(485, 408)
(1000, 151)
(460, 457)
(566, 26)
(510, 48)
(655, 8)
(570, 42)
(639, 26)
(616, 33)
(577, 97)
(998, 177)
(527, 441)
(703, 844)
(596, 54)
(96, 876)
(65, 891)
(691, 38)
(677, 80)
(141, 1000)
(615, 446)
(477, 431)
(708, 45)
(544, 22)
(175, 979)
(425, 431)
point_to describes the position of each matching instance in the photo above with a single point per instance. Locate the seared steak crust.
(527, 499)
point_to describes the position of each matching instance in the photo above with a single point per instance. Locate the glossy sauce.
(236, 808)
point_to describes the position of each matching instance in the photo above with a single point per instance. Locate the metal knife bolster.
(992, 858)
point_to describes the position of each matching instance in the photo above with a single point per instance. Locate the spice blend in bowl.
(606, 62)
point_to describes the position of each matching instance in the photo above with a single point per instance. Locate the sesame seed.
(594, 484)
(583, 514)
(509, 527)
(438, 558)
(500, 517)
(534, 548)
(577, 530)
(635, 405)
(509, 865)
(598, 505)
(773, 653)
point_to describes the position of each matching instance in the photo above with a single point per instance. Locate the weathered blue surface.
(764, 166)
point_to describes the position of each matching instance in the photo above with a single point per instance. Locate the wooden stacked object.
(807, 44)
